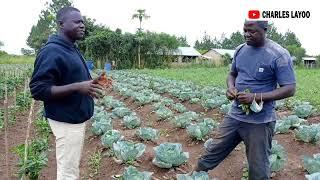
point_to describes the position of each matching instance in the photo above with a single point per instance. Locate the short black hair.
(63, 11)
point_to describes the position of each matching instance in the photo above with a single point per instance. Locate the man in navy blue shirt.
(261, 73)
(62, 81)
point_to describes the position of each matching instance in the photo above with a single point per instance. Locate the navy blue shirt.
(260, 69)
(60, 63)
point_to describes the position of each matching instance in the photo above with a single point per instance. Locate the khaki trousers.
(69, 144)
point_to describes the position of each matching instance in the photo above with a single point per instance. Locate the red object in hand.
(104, 81)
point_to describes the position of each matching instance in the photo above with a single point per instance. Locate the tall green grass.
(13, 59)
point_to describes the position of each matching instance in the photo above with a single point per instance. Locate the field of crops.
(155, 123)
(307, 86)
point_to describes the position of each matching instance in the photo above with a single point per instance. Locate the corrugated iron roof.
(186, 51)
(225, 51)
(309, 58)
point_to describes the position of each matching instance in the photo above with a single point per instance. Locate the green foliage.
(121, 111)
(214, 102)
(11, 116)
(297, 52)
(278, 157)
(179, 108)
(110, 137)
(128, 151)
(94, 163)
(314, 176)
(245, 107)
(14, 59)
(147, 134)
(292, 121)
(102, 123)
(183, 41)
(169, 155)
(42, 127)
(227, 59)
(131, 121)
(207, 43)
(304, 110)
(36, 158)
(133, 173)
(307, 90)
(2, 54)
(201, 130)
(24, 100)
(202, 175)
(312, 164)
(225, 108)
(183, 120)
(164, 113)
(46, 24)
(309, 134)
(235, 39)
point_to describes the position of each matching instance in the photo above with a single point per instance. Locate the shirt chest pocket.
(263, 72)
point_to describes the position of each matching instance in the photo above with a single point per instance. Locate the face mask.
(255, 107)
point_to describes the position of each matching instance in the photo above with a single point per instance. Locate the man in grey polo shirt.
(265, 69)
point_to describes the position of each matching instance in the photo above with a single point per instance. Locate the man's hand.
(231, 93)
(89, 88)
(245, 98)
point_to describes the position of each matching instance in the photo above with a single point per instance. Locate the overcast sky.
(190, 18)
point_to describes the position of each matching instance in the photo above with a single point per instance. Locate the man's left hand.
(245, 98)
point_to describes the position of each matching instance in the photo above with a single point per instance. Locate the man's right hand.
(231, 93)
(90, 88)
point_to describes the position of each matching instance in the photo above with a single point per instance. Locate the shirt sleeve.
(233, 68)
(46, 74)
(284, 70)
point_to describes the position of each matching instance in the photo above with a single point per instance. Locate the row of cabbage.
(144, 91)
(208, 96)
(165, 108)
(167, 155)
(142, 85)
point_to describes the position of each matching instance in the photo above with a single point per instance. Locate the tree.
(297, 52)
(2, 52)
(274, 35)
(183, 41)
(46, 24)
(226, 59)
(290, 38)
(141, 14)
(234, 41)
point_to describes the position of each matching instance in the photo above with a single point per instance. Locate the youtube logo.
(254, 14)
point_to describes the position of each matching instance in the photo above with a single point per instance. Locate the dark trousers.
(257, 139)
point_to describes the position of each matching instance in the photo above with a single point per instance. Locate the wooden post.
(15, 98)
(27, 134)
(6, 131)
(25, 88)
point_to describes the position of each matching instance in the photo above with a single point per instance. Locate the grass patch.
(307, 79)
(13, 59)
